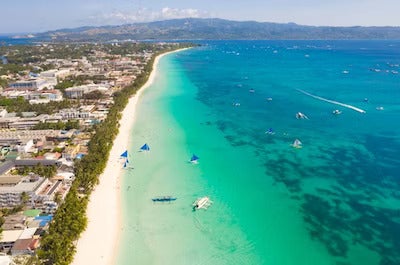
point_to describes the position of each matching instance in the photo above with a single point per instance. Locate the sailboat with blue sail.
(145, 147)
(124, 155)
(194, 159)
(270, 131)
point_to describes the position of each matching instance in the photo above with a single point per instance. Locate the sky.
(27, 16)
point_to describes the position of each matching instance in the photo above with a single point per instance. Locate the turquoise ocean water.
(335, 201)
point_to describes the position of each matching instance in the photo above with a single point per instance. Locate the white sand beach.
(98, 243)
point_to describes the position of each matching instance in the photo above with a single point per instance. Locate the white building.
(44, 96)
(68, 114)
(79, 91)
(55, 73)
(12, 187)
(3, 112)
(32, 84)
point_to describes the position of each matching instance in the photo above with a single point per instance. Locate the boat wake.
(333, 102)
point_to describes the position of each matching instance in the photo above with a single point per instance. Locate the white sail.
(297, 143)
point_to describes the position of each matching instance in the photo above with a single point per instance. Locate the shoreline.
(99, 243)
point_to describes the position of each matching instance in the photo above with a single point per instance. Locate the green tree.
(58, 198)
(24, 198)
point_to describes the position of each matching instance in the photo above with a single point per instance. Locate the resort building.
(55, 73)
(68, 114)
(31, 84)
(80, 91)
(28, 122)
(12, 187)
(10, 137)
(43, 96)
(6, 121)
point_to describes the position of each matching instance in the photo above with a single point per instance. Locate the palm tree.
(24, 198)
(57, 198)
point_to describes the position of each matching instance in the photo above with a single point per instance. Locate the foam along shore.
(333, 102)
(99, 242)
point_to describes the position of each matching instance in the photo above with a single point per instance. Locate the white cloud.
(144, 15)
(169, 13)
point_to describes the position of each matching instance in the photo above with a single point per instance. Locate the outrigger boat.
(202, 203)
(300, 115)
(194, 159)
(297, 144)
(270, 131)
(164, 199)
(145, 147)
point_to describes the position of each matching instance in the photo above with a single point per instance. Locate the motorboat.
(202, 203)
(300, 115)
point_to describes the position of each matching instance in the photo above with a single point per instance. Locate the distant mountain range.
(207, 29)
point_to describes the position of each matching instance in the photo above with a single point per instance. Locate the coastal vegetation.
(22, 105)
(219, 29)
(45, 171)
(68, 125)
(58, 245)
(12, 68)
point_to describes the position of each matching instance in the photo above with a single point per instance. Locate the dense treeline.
(25, 54)
(3, 83)
(71, 124)
(22, 105)
(12, 68)
(45, 171)
(58, 245)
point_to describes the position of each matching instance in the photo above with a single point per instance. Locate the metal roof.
(6, 166)
(34, 162)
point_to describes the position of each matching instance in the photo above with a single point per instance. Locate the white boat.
(202, 203)
(297, 144)
(336, 112)
(379, 108)
(300, 115)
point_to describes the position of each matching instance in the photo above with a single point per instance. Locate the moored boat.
(297, 144)
(194, 159)
(202, 203)
(300, 115)
(164, 199)
(145, 147)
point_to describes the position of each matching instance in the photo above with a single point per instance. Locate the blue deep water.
(334, 201)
